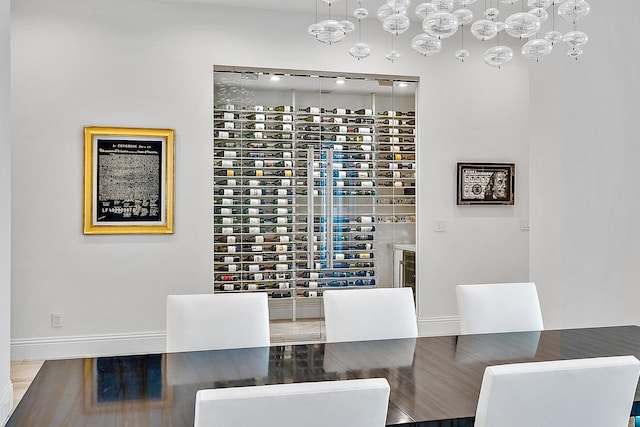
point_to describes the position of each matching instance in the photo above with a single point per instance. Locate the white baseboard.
(6, 402)
(435, 326)
(88, 346)
(155, 342)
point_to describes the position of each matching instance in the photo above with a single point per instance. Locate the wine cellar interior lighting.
(532, 21)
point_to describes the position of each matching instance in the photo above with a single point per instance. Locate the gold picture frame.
(128, 180)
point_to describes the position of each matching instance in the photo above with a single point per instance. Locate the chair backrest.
(369, 314)
(347, 403)
(501, 307)
(581, 392)
(217, 321)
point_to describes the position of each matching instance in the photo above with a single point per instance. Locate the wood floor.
(282, 331)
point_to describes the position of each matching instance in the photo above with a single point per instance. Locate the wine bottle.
(225, 211)
(284, 118)
(231, 249)
(253, 220)
(282, 108)
(363, 237)
(225, 220)
(231, 268)
(313, 110)
(364, 255)
(364, 264)
(364, 246)
(254, 144)
(225, 172)
(258, 117)
(225, 239)
(226, 144)
(254, 239)
(364, 112)
(255, 192)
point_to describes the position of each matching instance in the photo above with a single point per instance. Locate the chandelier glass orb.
(442, 5)
(498, 56)
(360, 50)
(464, 16)
(396, 23)
(522, 25)
(484, 29)
(426, 45)
(440, 25)
(536, 49)
(531, 23)
(424, 9)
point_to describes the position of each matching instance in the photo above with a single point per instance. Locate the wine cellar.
(314, 182)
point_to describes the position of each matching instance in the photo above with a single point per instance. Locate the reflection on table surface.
(434, 380)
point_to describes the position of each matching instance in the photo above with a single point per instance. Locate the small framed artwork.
(128, 180)
(486, 183)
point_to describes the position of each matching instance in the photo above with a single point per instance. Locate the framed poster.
(128, 180)
(486, 183)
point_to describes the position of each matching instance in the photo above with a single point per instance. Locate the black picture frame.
(486, 183)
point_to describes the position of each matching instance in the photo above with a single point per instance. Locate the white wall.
(6, 389)
(145, 63)
(584, 175)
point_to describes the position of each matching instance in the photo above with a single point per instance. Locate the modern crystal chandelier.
(532, 21)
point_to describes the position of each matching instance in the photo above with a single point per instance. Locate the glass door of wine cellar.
(314, 181)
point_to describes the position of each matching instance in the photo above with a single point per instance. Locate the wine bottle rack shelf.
(298, 194)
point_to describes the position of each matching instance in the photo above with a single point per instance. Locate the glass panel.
(314, 182)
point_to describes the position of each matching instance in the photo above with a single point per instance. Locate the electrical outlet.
(56, 320)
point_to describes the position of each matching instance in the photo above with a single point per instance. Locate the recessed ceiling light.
(340, 81)
(403, 84)
(275, 78)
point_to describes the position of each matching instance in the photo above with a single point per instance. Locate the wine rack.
(254, 193)
(335, 152)
(299, 193)
(396, 166)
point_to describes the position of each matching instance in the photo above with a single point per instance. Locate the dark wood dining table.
(435, 381)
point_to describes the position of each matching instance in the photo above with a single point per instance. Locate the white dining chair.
(369, 314)
(346, 403)
(217, 321)
(593, 392)
(500, 307)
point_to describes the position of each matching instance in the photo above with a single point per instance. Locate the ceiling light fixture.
(532, 21)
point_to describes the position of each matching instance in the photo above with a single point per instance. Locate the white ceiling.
(303, 6)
